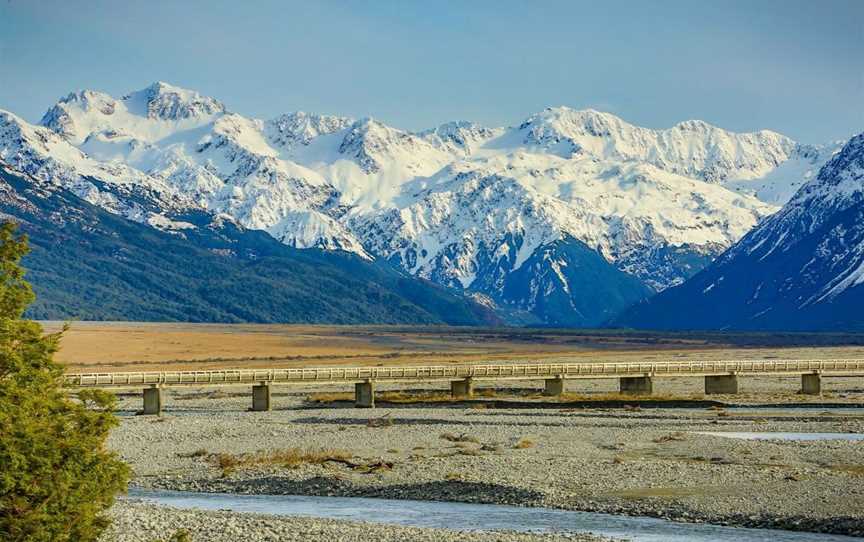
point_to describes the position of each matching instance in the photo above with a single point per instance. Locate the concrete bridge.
(634, 378)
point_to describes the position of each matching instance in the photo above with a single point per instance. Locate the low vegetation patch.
(293, 458)
(200, 452)
(383, 421)
(289, 458)
(619, 397)
(524, 443)
(463, 437)
(401, 397)
(670, 438)
(330, 397)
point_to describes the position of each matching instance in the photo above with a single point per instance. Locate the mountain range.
(568, 218)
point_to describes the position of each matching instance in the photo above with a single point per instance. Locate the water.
(755, 435)
(475, 517)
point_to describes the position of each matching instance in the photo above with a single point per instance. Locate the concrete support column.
(364, 394)
(261, 397)
(554, 386)
(721, 384)
(636, 385)
(153, 401)
(811, 384)
(462, 388)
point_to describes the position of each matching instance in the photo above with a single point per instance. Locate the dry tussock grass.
(677, 436)
(398, 397)
(464, 437)
(288, 458)
(613, 396)
(524, 443)
(325, 397)
(384, 421)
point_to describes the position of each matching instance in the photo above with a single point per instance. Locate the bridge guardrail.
(525, 371)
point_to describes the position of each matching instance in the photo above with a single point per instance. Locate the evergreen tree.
(56, 476)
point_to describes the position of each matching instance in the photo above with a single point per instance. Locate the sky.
(793, 66)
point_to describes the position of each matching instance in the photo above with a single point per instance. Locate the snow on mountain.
(780, 184)
(692, 148)
(802, 268)
(311, 229)
(460, 204)
(149, 114)
(622, 211)
(39, 152)
(288, 131)
(460, 136)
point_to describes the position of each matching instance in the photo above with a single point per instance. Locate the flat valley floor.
(130, 346)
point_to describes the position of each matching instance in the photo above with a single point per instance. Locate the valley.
(439, 272)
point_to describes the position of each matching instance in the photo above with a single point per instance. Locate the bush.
(56, 477)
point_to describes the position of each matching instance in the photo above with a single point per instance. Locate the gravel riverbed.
(632, 460)
(143, 522)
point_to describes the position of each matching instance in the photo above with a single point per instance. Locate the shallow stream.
(474, 517)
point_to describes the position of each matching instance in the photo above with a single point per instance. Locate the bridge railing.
(453, 372)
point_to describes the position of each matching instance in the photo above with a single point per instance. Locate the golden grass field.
(125, 346)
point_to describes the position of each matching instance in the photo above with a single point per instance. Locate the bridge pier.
(727, 384)
(364, 394)
(152, 401)
(261, 397)
(460, 389)
(636, 385)
(811, 384)
(554, 386)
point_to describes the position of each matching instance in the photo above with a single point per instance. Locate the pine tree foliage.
(56, 476)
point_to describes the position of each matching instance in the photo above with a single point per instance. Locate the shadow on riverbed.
(516, 404)
(317, 420)
(455, 490)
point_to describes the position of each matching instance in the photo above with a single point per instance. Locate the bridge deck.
(529, 371)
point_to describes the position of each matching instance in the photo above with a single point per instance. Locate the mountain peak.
(461, 134)
(366, 138)
(563, 113)
(301, 128)
(147, 114)
(562, 124)
(164, 101)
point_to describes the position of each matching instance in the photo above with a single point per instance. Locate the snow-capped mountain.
(118, 188)
(461, 204)
(802, 268)
(149, 114)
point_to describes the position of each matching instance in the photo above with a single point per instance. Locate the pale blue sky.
(793, 66)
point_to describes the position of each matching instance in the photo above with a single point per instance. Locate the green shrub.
(56, 477)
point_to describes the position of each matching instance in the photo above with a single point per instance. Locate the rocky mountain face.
(802, 268)
(566, 203)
